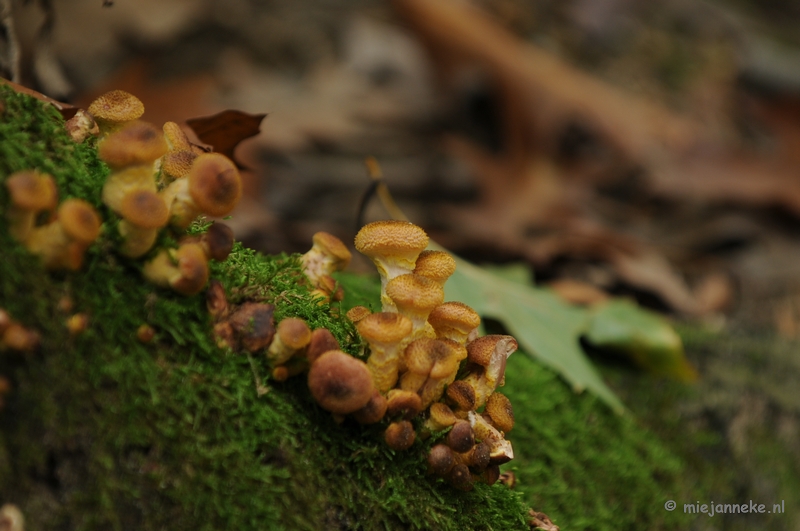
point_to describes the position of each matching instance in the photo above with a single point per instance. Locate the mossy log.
(104, 431)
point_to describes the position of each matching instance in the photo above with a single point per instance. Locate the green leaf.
(544, 326)
(621, 326)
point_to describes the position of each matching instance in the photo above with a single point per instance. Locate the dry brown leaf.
(225, 130)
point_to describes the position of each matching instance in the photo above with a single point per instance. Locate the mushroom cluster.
(426, 364)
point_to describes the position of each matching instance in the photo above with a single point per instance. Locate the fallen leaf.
(66, 110)
(225, 130)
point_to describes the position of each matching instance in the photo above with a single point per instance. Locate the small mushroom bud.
(31, 192)
(114, 109)
(394, 247)
(62, 243)
(253, 324)
(213, 187)
(478, 457)
(460, 478)
(17, 337)
(454, 320)
(441, 459)
(11, 518)
(491, 474)
(175, 165)
(499, 410)
(327, 255)
(400, 435)
(340, 383)
(280, 373)
(356, 313)
(462, 395)
(488, 355)
(461, 437)
(216, 300)
(374, 411)
(77, 324)
(136, 144)
(384, 332)
(322, 340)
(293, 334)
(81, 126)
(185, 270)
(435, 265)
(145, 333)
(143, 213)
(405, 403)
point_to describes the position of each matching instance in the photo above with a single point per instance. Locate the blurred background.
(650, 149)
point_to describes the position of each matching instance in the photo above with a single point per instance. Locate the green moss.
(104, 432)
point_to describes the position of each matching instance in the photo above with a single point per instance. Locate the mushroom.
(444, 358)
(454, 320)
(322, 340)
(340, 383)
(217, 241)
(400, 435)
(213, 187)
(77, 324)
(487, 356)
(394, 247)
(62, 242)
(460, 478)
(500, 450)
(384, 332)
(405, 403)
(461, 437)
(425, 359)
(327, 255)
(441, 459)
(136, 144)
(17, 337)
(176, 164)
(415, 296)
(31, 192)
(143, 213)
(374, 411)
(462, 395)
(476, 458)
(327, 289)
(122, 182)
(440, 417)
(114, 109)
(356, 313)
(500, 412)
(185, 269)
(217, 300)
(293, 334)
(81, 126)
(175, 137)
(145, 333)
(435, 265)
(253, 324)
(11, 518)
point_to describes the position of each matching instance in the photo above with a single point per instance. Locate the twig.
(378, 186)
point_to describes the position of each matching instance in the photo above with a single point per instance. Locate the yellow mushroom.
(384, 332)
(185, 269)
(61, 243)
(327, 255)
(143, 213)
(31, 192)
(114, 109)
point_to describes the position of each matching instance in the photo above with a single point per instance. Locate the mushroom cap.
(374, 411)
(334, 248)
(177, 164)
(214, 184)
(400, 435)
(479, 456)
(414, 293)
(391, 237)
(454, 315)
(480, 351)
(441, 459)
(193, 268)
(431, 356)
(400, 401)
(31, 190)
(460, 478)
(499, 410)
(79, 220)
(435, 265)
(135, 144)
(294, 333)
(461, 437)
(175, 137)
(322, 340)
(145, 209)
(218, 241)
(384, 327)
(356, 313)
(116, 106)
(462, 394)
(442, 415)
(254, 324)
(340, 383)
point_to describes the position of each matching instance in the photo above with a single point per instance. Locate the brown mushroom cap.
(294, 333)
(460, 478)
(214, 184)
(478, 457)
(400, 435)
(116, 106)
(218, 241)
(435, 265)
(79, 220)
(454, 316)
(431, 357)
(175, 137)
(403, 402)
(391, 237)
(480, 351)
(374, 411)
(441, 416)
(441, 459)
(462, 394)
(145, 209)
(414, 294)
(461, 437)
(340, 383)
(333, 248)
(253, 323)
(176, 164)
(193, 268)
(322, 340)
(136, 144)
(31, 190)
(500, 411)
(384, 327)
(356, 313)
